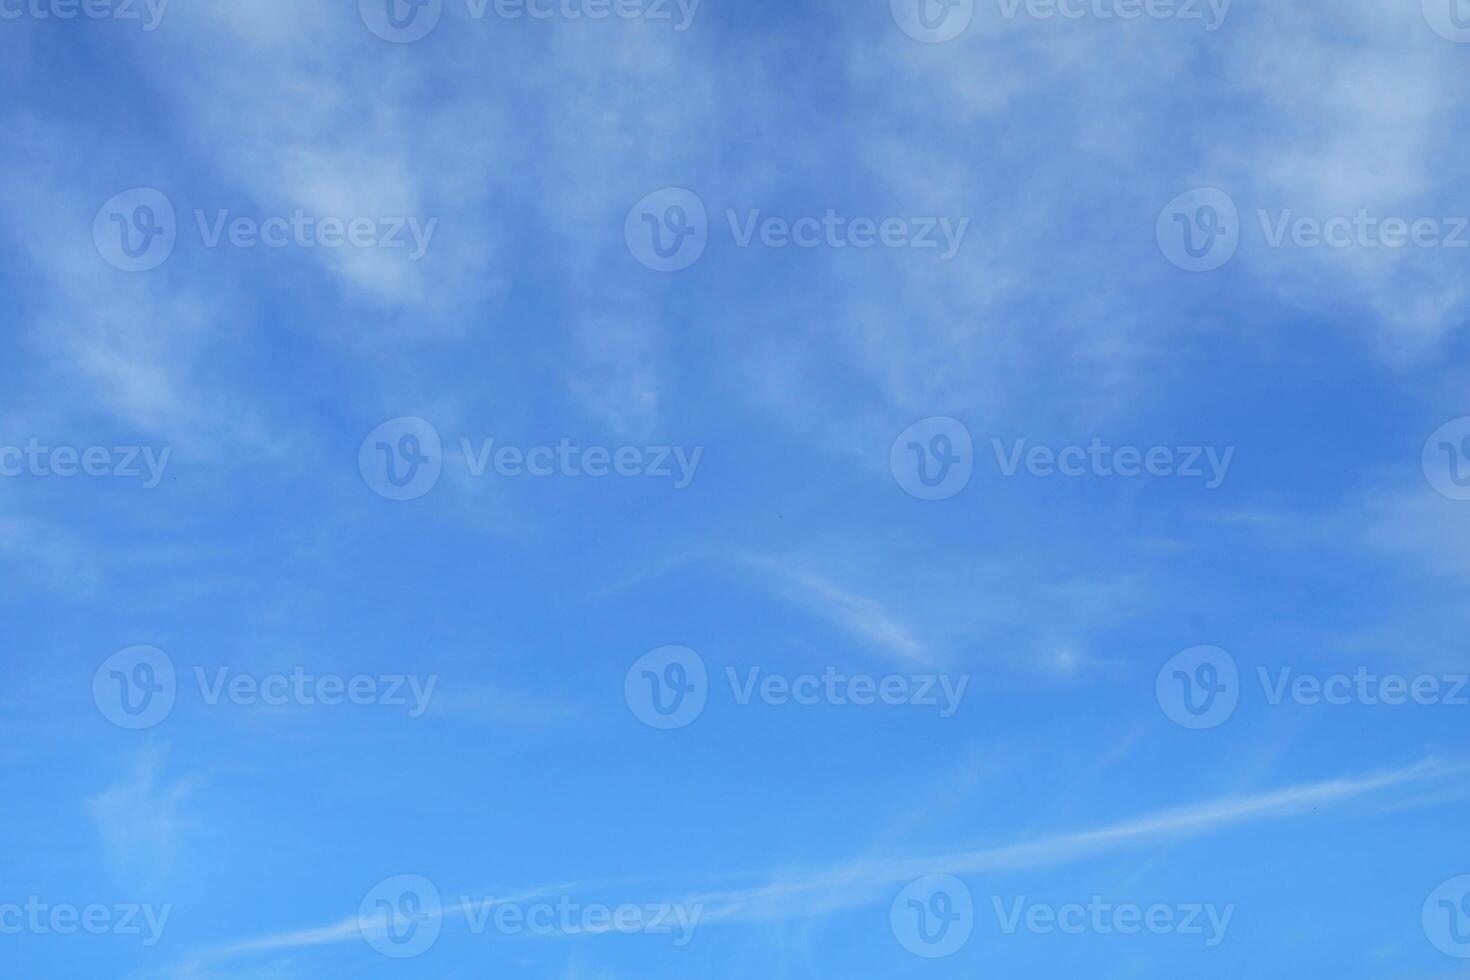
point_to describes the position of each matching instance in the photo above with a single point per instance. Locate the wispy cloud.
(862, 882)
(862, 617)
(140, 816)
(859, 883)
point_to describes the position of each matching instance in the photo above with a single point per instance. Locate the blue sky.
(408, 555)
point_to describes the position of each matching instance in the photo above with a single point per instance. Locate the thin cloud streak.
(860, 883)
(856, 884)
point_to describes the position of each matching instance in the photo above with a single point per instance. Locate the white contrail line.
(857, 883)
